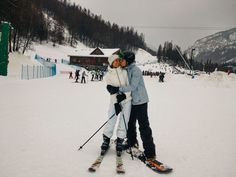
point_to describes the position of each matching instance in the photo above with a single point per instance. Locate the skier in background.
(161, 77)
(101, 75)
(71, 75)
(77, 75)
(83, 77)
(93, 72)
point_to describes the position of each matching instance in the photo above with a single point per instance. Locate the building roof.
(87, 52)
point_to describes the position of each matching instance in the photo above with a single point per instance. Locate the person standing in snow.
(161, 77)
(83, 77)
(71, 75)
(120, 104)
(93, 72)
(76, 75)
(139, 108)
(101, 75)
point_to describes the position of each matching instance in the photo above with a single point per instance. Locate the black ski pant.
(139, 112)
(83, 80)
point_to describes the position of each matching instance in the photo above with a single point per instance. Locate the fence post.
(22, 70)
(37, 72)
(41, 71)
(27, 69)
(33, 71)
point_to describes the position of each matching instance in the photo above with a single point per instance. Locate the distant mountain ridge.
(219, 47)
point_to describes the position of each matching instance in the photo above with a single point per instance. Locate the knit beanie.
(129, 57)
(112, 58)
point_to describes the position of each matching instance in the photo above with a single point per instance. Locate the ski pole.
(96, 132)
(126, 131)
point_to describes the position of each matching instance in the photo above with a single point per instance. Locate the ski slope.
(43, 122)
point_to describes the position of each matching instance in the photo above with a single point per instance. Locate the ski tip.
(164, 171)
(120, 172)
(159, 167)
(169, 170)
(91, 170)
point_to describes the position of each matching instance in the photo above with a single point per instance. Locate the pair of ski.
(154, 165)
(119, 164)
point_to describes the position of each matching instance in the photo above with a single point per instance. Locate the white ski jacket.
(117, 77)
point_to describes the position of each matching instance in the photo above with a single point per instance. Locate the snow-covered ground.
(16, 60)
(43, 122)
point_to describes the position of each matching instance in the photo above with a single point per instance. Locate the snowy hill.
(143, 57)
(219, 47)
(47, 50)
(148, 62)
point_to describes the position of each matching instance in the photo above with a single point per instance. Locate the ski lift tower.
(189, 67)
(5, 29)
(191, 62)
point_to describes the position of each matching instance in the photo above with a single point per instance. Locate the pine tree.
(159, 53)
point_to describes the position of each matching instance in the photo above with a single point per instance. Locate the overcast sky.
(179, 21)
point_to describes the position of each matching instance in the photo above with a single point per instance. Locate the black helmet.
(129, 57)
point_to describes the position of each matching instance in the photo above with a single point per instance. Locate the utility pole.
(191, 62)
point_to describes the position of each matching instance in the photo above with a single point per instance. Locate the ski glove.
(120, 97)
(117, 108)
(112, 90)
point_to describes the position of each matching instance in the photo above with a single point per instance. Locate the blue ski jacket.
(136, 85)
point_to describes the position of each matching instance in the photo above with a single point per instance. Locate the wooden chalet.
(92, 58)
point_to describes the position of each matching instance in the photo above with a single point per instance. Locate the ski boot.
(125, 144)
(105, 144)
(134, 148)
(119, 147)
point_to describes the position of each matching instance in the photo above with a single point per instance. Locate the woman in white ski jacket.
(118, 77)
